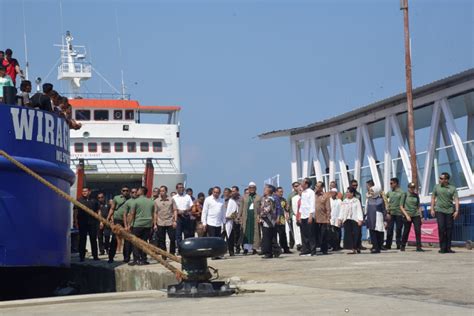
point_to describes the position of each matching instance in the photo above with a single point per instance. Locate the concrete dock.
(338, 284)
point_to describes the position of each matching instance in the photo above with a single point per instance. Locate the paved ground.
(392, 283)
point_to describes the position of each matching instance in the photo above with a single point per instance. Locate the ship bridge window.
(101, 115)
(83, 115)
(132, 147)
(92, 147)
(78, 147)
(144, 147)
(105, 147)
(157, 147)
(118, 147)
(129, 115)
(118, 115)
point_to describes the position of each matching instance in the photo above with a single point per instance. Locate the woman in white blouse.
(351, 217)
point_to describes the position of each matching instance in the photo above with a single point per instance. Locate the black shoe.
(237, 251)
(358, 250)
(313, 254)
(246, 252)
(353, 252)
(388, 247)
(82, 259)
(267, 257)
(451, 251)
(288, 251)
(133, 263)
(139, 263)
(419, 250)
(231, 254)
(145, 263)
(102, 253)
(254, 252)
(324, 252)
(298, 247)
(126, 261)
(96, 259)
(402, 248)
(374, 251)
(398, 247)
(110, 261)
(383, 248)
(441, 251)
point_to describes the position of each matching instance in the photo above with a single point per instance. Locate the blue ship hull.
(34, 221)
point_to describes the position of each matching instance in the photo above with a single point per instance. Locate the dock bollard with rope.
(195, 281)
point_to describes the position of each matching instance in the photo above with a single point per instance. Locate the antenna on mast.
(120, 55)
(27, 65)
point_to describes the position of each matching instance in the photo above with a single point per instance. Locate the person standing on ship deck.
(87, 224)
(116, 212)
(182, 204)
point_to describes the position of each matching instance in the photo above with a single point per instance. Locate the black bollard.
(194, 254)
(9, 95)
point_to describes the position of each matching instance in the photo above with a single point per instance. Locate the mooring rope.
(153, 251)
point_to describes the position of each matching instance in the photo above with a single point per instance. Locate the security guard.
(410, 207)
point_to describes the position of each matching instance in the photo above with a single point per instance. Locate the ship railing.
(97, 95)
(125, 165)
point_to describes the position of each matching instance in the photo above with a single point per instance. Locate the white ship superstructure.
(121, 142)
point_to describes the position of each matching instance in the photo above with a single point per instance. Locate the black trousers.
(323, 230)
(237, 230)
(445, 230)
(214, 231)
(91, 230)
(270, 246)
(308, 237)
(397, 222)
(352, 232)
(104, 239)
(184, 226)
(376, 238)
(416, 220)
(335, 234)
(282, 239)
(289, 222)
(162, 231)
(127, 246)
(144, 234)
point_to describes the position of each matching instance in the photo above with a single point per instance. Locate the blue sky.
(240, 68)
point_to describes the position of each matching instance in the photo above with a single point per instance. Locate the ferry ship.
(121, 142)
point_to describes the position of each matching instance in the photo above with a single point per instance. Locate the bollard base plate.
(200, 289)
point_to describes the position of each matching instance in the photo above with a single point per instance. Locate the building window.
(157, 147)
(129, 115)
(144, 146)
(83, 115)
(118, 115)
(105, 147)
(92, 147)
(101, 115)
(131, 147)
(79, 147)
(118, 147)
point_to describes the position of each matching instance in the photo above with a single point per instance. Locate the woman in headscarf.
(351, 217)
(376, 212)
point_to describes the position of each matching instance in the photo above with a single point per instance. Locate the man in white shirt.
(336, 230)
(305, 217)
(213, 213)
(182, 205)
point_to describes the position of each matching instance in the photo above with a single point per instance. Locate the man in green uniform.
(396, 219)
(141, 219)
(442, 199)
(117, 209)
(410, 207)
(127, 246)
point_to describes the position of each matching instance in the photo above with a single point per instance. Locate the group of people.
(311, 219)
(47, 100)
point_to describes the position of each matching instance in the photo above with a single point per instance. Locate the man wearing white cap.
(248, 218)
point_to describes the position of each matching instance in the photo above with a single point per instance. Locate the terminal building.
(371, 143)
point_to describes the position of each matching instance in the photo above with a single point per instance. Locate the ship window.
(105, 147)
(157, 147)
(78, 147)
(92, 147)
(101, 115)
(144, 146)
(83, 115)
(118, 115)
(118, 147)
(129, 114)
(132, 147)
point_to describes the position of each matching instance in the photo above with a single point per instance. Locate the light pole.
(410, 120)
